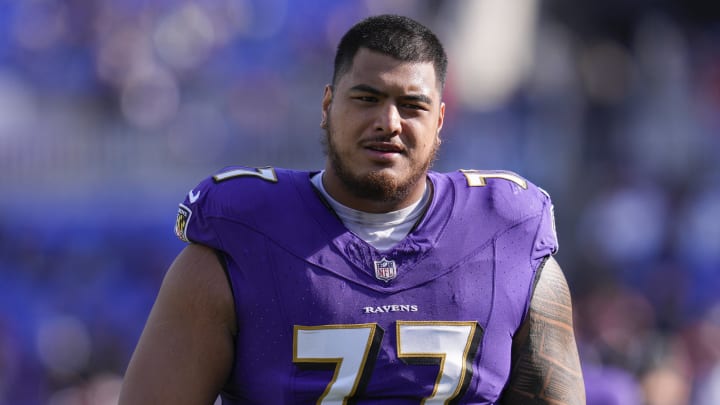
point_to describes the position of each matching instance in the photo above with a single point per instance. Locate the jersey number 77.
(353, 348)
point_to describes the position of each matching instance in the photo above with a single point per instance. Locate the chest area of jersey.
(335, 337)
(377, 289)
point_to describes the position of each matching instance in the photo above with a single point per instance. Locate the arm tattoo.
(545, 361)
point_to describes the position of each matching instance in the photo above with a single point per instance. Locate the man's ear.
(326, 101)
(441, 118)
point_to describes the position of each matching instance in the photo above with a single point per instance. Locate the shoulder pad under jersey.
(513, 199)
(235, 193)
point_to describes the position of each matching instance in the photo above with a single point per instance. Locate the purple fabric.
(467, 268)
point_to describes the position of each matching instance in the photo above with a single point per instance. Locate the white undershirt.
(382, 231)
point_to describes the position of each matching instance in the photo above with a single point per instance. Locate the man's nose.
(389, 120)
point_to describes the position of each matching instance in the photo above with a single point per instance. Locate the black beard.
(375, 185)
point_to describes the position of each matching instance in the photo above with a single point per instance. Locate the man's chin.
(383, 185)
(385, 174)
(375, 182)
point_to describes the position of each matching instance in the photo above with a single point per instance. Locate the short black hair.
(397, 36)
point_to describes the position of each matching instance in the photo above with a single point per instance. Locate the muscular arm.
(185, 353)
(546, 365)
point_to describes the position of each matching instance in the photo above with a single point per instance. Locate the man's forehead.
(379, 70)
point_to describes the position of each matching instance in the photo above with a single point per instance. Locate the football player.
(373, 280)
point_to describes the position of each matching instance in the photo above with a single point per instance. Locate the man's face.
(382, 120)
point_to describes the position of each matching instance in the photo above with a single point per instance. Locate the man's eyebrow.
(418, 97)
(409, 97)
(368, 89)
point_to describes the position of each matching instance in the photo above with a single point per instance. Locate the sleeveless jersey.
(325, 318)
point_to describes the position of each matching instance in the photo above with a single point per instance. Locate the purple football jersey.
(324, 317)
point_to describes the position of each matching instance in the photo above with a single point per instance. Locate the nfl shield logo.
(385, 270)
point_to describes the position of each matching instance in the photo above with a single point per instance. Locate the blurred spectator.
(611, 386)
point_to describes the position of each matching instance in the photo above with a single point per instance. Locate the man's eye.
(367, 99)
(415, 107)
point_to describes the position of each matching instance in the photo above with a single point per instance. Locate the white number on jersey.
(265, 173)
(477, 178)
(449, 345)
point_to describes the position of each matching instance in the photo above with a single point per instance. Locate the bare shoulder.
(185, 352)
(546, 366)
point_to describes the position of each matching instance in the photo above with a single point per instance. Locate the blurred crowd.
(111, 110)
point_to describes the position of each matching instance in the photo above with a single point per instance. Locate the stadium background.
(111, 110)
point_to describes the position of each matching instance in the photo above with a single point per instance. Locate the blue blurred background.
(111, 110)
